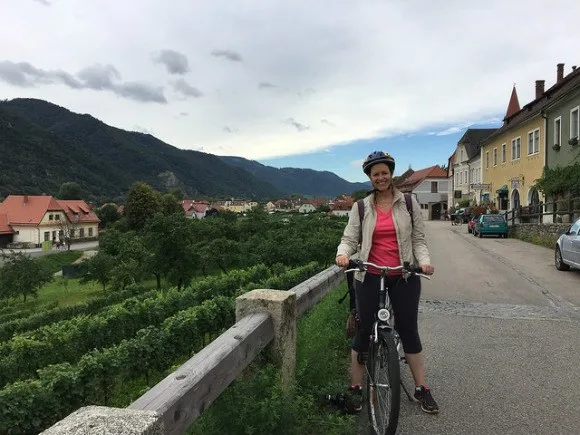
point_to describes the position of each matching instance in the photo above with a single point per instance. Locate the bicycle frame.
(384, 419)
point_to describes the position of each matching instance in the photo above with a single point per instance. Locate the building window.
(495, 157)
(81, 233)
(503, 153)
(574, 122)
(558, 131)
(47, 236)
(534, 142)
(90, 232)
(50, 217)
(56, 217)
(516, 148)
(433, 186)
(487, 160)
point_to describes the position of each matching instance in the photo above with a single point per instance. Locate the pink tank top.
(385, 249)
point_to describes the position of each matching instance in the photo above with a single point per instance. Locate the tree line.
(153, 239)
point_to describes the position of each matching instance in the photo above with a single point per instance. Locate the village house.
(430, 188)
(467, 166)
(32, 220)
(194, 209)
(515, 155)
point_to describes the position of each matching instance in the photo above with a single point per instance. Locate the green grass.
(537, 239)
(256, 404)
(55, 261)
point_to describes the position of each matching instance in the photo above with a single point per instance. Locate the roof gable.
(535, 107)
(513, 105)
(26, 209)
(472, 139)
(77, 210)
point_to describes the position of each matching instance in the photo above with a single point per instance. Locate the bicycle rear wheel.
(383, 385)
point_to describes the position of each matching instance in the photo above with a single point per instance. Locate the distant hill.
(43, 145)
(294, 180)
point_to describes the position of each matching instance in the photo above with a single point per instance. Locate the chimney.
(540, 88)
(25, 199)
(573, 67)
(560, 74)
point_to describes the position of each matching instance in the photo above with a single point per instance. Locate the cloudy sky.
(313, 84)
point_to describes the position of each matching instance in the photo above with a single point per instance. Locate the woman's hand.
(342, 261)
(427, 269)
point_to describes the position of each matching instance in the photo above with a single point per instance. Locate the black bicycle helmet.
(378, 157)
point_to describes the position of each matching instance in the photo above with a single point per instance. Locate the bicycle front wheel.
(383, 385)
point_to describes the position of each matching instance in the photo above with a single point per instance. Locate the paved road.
(38, 252)
(501, 331)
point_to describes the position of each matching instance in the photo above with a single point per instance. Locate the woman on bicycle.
(389, 238)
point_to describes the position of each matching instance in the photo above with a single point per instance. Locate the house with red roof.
(194, 209)
(430, 188)
(32, 220)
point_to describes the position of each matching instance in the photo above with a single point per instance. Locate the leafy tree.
(177, 193)
(170, 244)
(99, 269)
(560, 181)
(22, 276)
(170, 205)
(70, 190)
(67, 228)
(359, 194)
(143, 202)
(108, 215)
(224, 252)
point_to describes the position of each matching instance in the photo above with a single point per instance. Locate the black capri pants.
(404, 297)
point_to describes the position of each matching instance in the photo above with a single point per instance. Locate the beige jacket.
(411, 239)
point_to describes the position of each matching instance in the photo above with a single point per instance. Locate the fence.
(263, 317)
(561, 211)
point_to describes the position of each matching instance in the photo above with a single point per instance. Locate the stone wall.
(520, 231)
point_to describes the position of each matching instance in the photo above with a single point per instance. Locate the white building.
(467, 165)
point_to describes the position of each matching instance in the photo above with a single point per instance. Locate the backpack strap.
(409, 202)
(361, 214)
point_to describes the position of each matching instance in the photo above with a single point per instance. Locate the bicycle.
(385, 352)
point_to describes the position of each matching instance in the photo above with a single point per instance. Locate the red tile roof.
(4, 227)
(513, 105)
(29, 209)
(74, 208)
(418, 177)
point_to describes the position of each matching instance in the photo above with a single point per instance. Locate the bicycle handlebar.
(361, 266)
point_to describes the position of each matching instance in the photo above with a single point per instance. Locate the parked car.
(472, 222)
(491, 224)
(567, 252)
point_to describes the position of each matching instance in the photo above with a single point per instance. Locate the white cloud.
(293, 77)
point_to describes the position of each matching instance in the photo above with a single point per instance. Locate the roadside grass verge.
(255, 403)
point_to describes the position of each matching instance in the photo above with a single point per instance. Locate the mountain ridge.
(44, 145)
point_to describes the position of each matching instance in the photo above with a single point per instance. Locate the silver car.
(567, 252)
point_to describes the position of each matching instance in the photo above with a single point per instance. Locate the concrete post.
(281, 306)
(108, 421)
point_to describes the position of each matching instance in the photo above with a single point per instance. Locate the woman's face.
(381, 177)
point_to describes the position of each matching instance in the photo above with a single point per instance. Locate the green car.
(491, 224)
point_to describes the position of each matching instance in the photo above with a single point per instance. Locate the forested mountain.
(295, 180)
(43, 145)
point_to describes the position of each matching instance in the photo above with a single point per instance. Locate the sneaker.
(355, 399)
(424, 397)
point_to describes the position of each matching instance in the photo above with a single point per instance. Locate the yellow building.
(513, 157)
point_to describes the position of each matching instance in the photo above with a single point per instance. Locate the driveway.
(501, 332)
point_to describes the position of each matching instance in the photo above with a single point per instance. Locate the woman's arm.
(418, 240)
(350, 237)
